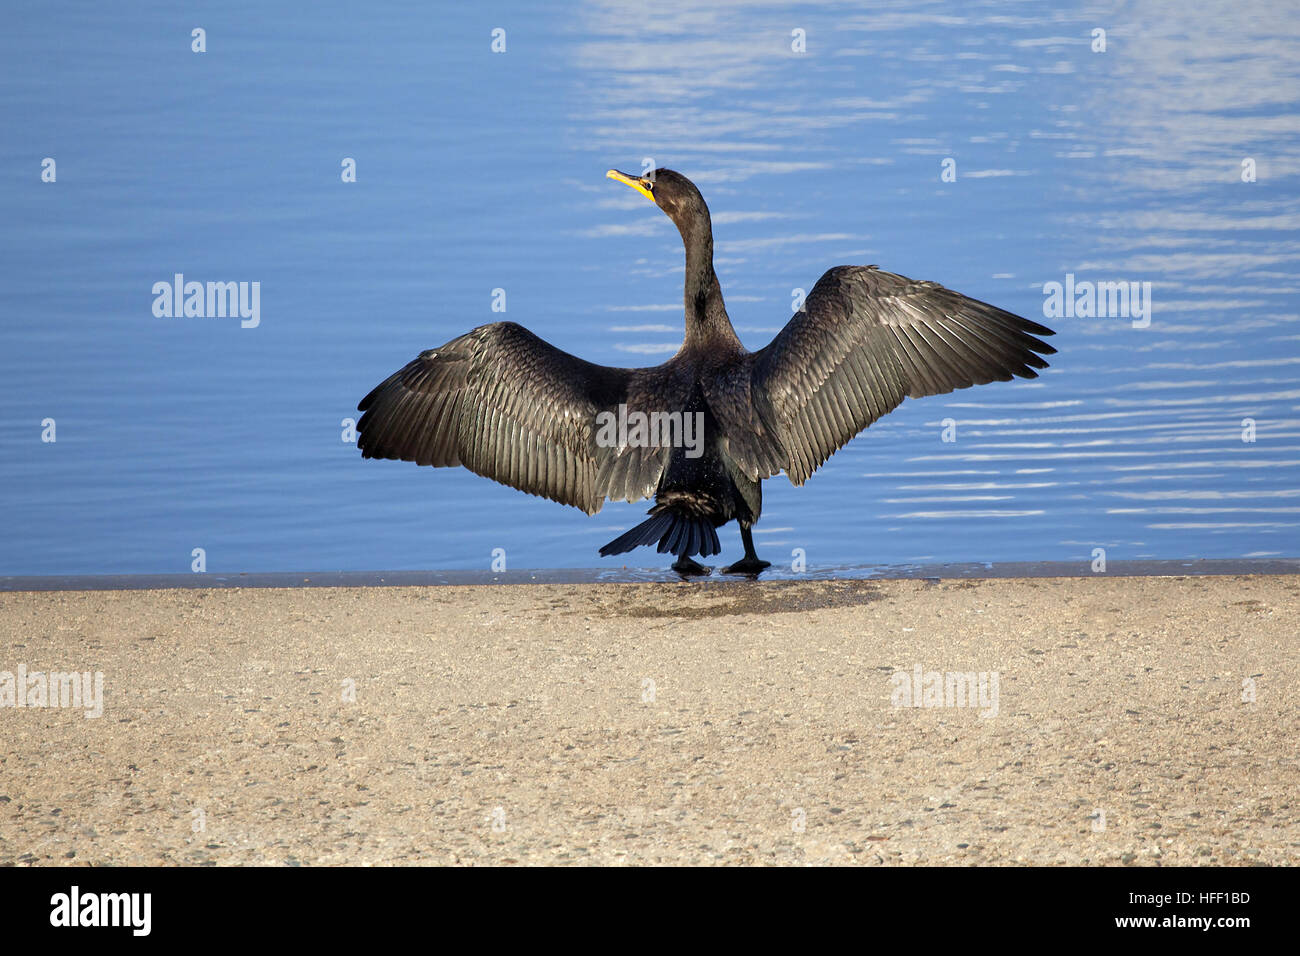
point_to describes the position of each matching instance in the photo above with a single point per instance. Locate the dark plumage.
(510, 407)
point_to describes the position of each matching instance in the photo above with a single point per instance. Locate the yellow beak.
(638, 183)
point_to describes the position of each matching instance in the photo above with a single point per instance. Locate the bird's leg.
(687, 567)
(749, 564)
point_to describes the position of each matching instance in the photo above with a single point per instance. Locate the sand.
(661, 723)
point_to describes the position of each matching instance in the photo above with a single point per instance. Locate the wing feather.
(513, 408)
(865, 340)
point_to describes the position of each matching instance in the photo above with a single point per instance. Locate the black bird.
(511, 407)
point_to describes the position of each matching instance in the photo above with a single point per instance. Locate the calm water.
(479, 171)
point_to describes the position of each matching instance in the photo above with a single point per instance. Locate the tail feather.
(676, 534)
(672, 541)
(647, 532)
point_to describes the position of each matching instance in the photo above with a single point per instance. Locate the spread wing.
(513, 408)
(865, 340)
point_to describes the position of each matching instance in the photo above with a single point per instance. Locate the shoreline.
(623, 575)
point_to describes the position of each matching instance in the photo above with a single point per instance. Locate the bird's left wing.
(865, 340)
(511, 407)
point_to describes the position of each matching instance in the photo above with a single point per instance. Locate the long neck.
(706, 315)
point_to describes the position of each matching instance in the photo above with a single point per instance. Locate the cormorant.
(511, 407)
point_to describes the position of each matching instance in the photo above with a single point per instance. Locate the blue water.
(479, 171)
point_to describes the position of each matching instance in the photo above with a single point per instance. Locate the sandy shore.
(660, 723)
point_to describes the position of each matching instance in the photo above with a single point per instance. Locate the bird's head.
(673, 193)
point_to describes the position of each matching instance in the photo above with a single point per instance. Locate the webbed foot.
(747, 566)
(687, 567)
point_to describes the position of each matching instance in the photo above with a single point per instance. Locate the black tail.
(677, 534)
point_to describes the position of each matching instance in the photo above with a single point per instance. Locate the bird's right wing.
(511, 407)
(865, 340)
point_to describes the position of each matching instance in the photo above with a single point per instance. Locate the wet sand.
(735, 723)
